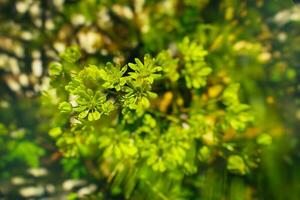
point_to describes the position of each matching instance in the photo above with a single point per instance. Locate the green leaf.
(108, 107)
(65, 107)
(230, 95)
(169, 65)
(236, 164)
(83, 114)
(96, 115)
(144, 73)
(113, 77)
(55, 69)
(264, 139)
(133, 66)
(191, 50)
(90, 116)
(55, 132)
(71, 54)
(195, 69)
(205, 71)
(204, 154)
(159, 166)
(27, 152)
(145, 102)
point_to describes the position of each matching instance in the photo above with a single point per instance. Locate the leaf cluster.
(137, 117)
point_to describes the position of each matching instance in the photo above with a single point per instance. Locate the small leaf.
(55, 69)
(204, 153)
(96, 115)
(236, 164)
(71, 54)
(205, 71)
(90, 117)
(55, 132)
(145, 102)
(65, 107)
(230, 95)
(264, 139)
(83, 114)
(132, 66)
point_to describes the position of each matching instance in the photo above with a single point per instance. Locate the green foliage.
(144, 73)
(17, 149)
(113, 77)
(111, 109)
(169, 64)
(74, 167)
(55, 69)
(196, 69)
(167, 126)
(238, 116)
(71, 55)
(264, 139)
(26, 151)
(236, 164)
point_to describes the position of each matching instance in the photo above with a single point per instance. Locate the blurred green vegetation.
(228, 70)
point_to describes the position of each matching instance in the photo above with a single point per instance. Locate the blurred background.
(253, 42)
